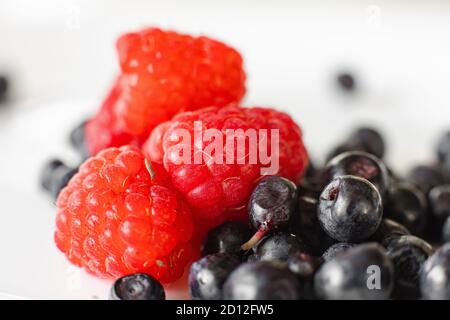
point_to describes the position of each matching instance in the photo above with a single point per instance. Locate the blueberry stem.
(253, 240)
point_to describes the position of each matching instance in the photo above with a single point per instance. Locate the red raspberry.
(219, 192)
(163, 73)
(114, 218)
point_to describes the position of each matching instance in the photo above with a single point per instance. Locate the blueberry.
(425, 177)
(444, 149)
(55, 176)
(342, 148)
(306, 223)
(228, 237)
(440, 201)
(362, 272)
(360, 164)
(389, 230)
(408, 206)
(271, 207)
(368, 140)
(346, 81)
(408, 254)
(207, 275)
(350, 209)
(139, 286)
(336, 249)
(4, 86)
(279, 246)
(435, 275)
(446, 231)
(304, 267)
(77, 140)
(262, 280)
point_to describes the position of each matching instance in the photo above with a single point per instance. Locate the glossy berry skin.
(350, 209)
(336, 249)
(347, 276)
(407, 205)
(439, 198)
(279, 247)
(207, 275)
(435, 275)
(138, 286)
(118, 216)
(78, 140)
(446, 231)
(360, 164)
(272, 204)
(55, 175)
(262, 280)
(226, 238)
(219, 192)
(425, 178)
(304, 267)
(388, 231)
(408, 254)
(162, 74)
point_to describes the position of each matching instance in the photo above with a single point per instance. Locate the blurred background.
(59, 59)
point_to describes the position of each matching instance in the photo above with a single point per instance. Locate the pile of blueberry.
(350, 230)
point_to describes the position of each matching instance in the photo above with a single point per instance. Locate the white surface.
(291, 50)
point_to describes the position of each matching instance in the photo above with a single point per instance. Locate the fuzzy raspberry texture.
(163, 73)
(215, 191)
(114, 218)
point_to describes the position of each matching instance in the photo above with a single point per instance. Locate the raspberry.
(163, 73)
(219, 192)
(114, 218)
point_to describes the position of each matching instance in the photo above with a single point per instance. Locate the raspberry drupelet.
(119, 215)
(217, 192)
(163, 73)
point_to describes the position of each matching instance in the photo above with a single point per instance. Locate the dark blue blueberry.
(408, 254)
(207, 275)
(55, 176)
(407, 205)
(336, 249)
(304, 266)
(306, 223)
(440, 201)
(362, 272)
(77, 140)
(271, 207)
(262, 280)
(360, 164)
(389, 230)
(446, 231)
(278, 246)
(350, 209)
(139, 286)
(368, 140)
(346, 81)
(228, 237)
(4, 88)
(435, 275)
(425, 177)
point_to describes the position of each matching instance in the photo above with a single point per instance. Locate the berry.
(138, 286)
(346, 81)
(336, 249)
(349, 276)
(408, 253)
(163, 73)
(262, 280)
(4, 87)
(304, 267)
(226, 238)
(350, 209)
(389, 230)
(444, 149)
(435, 275)
(440, 201)
(408, 206)
(360, 164)
(306, 223)
(425, 178)
(78, 141)
(446, 231)
(120, 215)
(207, 276)
(271, 207)
(216, 191)
(279, 246)
(55, 176)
